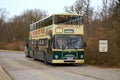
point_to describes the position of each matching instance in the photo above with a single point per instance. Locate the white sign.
(103, 45)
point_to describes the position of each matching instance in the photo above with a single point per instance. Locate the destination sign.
(68, 31)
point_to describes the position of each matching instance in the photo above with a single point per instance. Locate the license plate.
(69, 58)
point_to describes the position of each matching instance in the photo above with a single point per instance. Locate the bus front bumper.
(68, 61)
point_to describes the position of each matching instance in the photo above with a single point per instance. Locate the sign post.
(103, 48)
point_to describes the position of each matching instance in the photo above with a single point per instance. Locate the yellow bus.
(58, 38)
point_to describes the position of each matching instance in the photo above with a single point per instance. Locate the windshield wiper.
(73, 43)
(63, 47)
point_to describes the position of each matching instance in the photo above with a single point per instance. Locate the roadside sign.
(103, 45)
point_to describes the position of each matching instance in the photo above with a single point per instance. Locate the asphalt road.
(22, 68)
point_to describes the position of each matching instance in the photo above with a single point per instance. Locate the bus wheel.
(45, 59)
(27, 53)
(34, 56)
(35, 59)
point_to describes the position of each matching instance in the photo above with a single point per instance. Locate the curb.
(12, 78)
(10, 51)
(4, 74)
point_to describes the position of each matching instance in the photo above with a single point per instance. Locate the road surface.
(22, 68)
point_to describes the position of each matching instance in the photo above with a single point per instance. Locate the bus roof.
(68, 14)
(71, 14)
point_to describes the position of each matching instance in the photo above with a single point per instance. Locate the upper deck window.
(48, 21)
(43, 23)
(32, 27)
(68, 19)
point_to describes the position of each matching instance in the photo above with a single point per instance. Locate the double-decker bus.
(58, 38)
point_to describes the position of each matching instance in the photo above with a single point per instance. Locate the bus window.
(42, 24)
(42, 42)
(61, 42)
(68, 20)
(76, 42)
(39, 42)
(69, 42)
(48, 21)
(33, 42)
(32, 27)
(38, 25)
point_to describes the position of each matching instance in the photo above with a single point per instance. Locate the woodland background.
(103, 23)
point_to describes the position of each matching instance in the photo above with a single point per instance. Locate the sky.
(16, 7)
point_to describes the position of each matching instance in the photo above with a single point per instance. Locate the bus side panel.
(49, 58)
(39, 55)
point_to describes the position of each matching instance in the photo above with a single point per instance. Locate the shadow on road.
(68, 65)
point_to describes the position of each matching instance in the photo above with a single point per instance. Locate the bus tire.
(27, 53)
(45, 59)
(34, 56)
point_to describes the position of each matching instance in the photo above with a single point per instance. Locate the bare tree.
(81, 7)
(34, 15)
(77, 7)
(3, 14)
(19, 25)
(107, 8)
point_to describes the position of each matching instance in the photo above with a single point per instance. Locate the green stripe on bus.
(61, 54)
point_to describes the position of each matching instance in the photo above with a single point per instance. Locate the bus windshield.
(69, 42)
(68, 19)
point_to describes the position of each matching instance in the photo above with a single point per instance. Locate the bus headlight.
(81, 56)
(56, 56)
